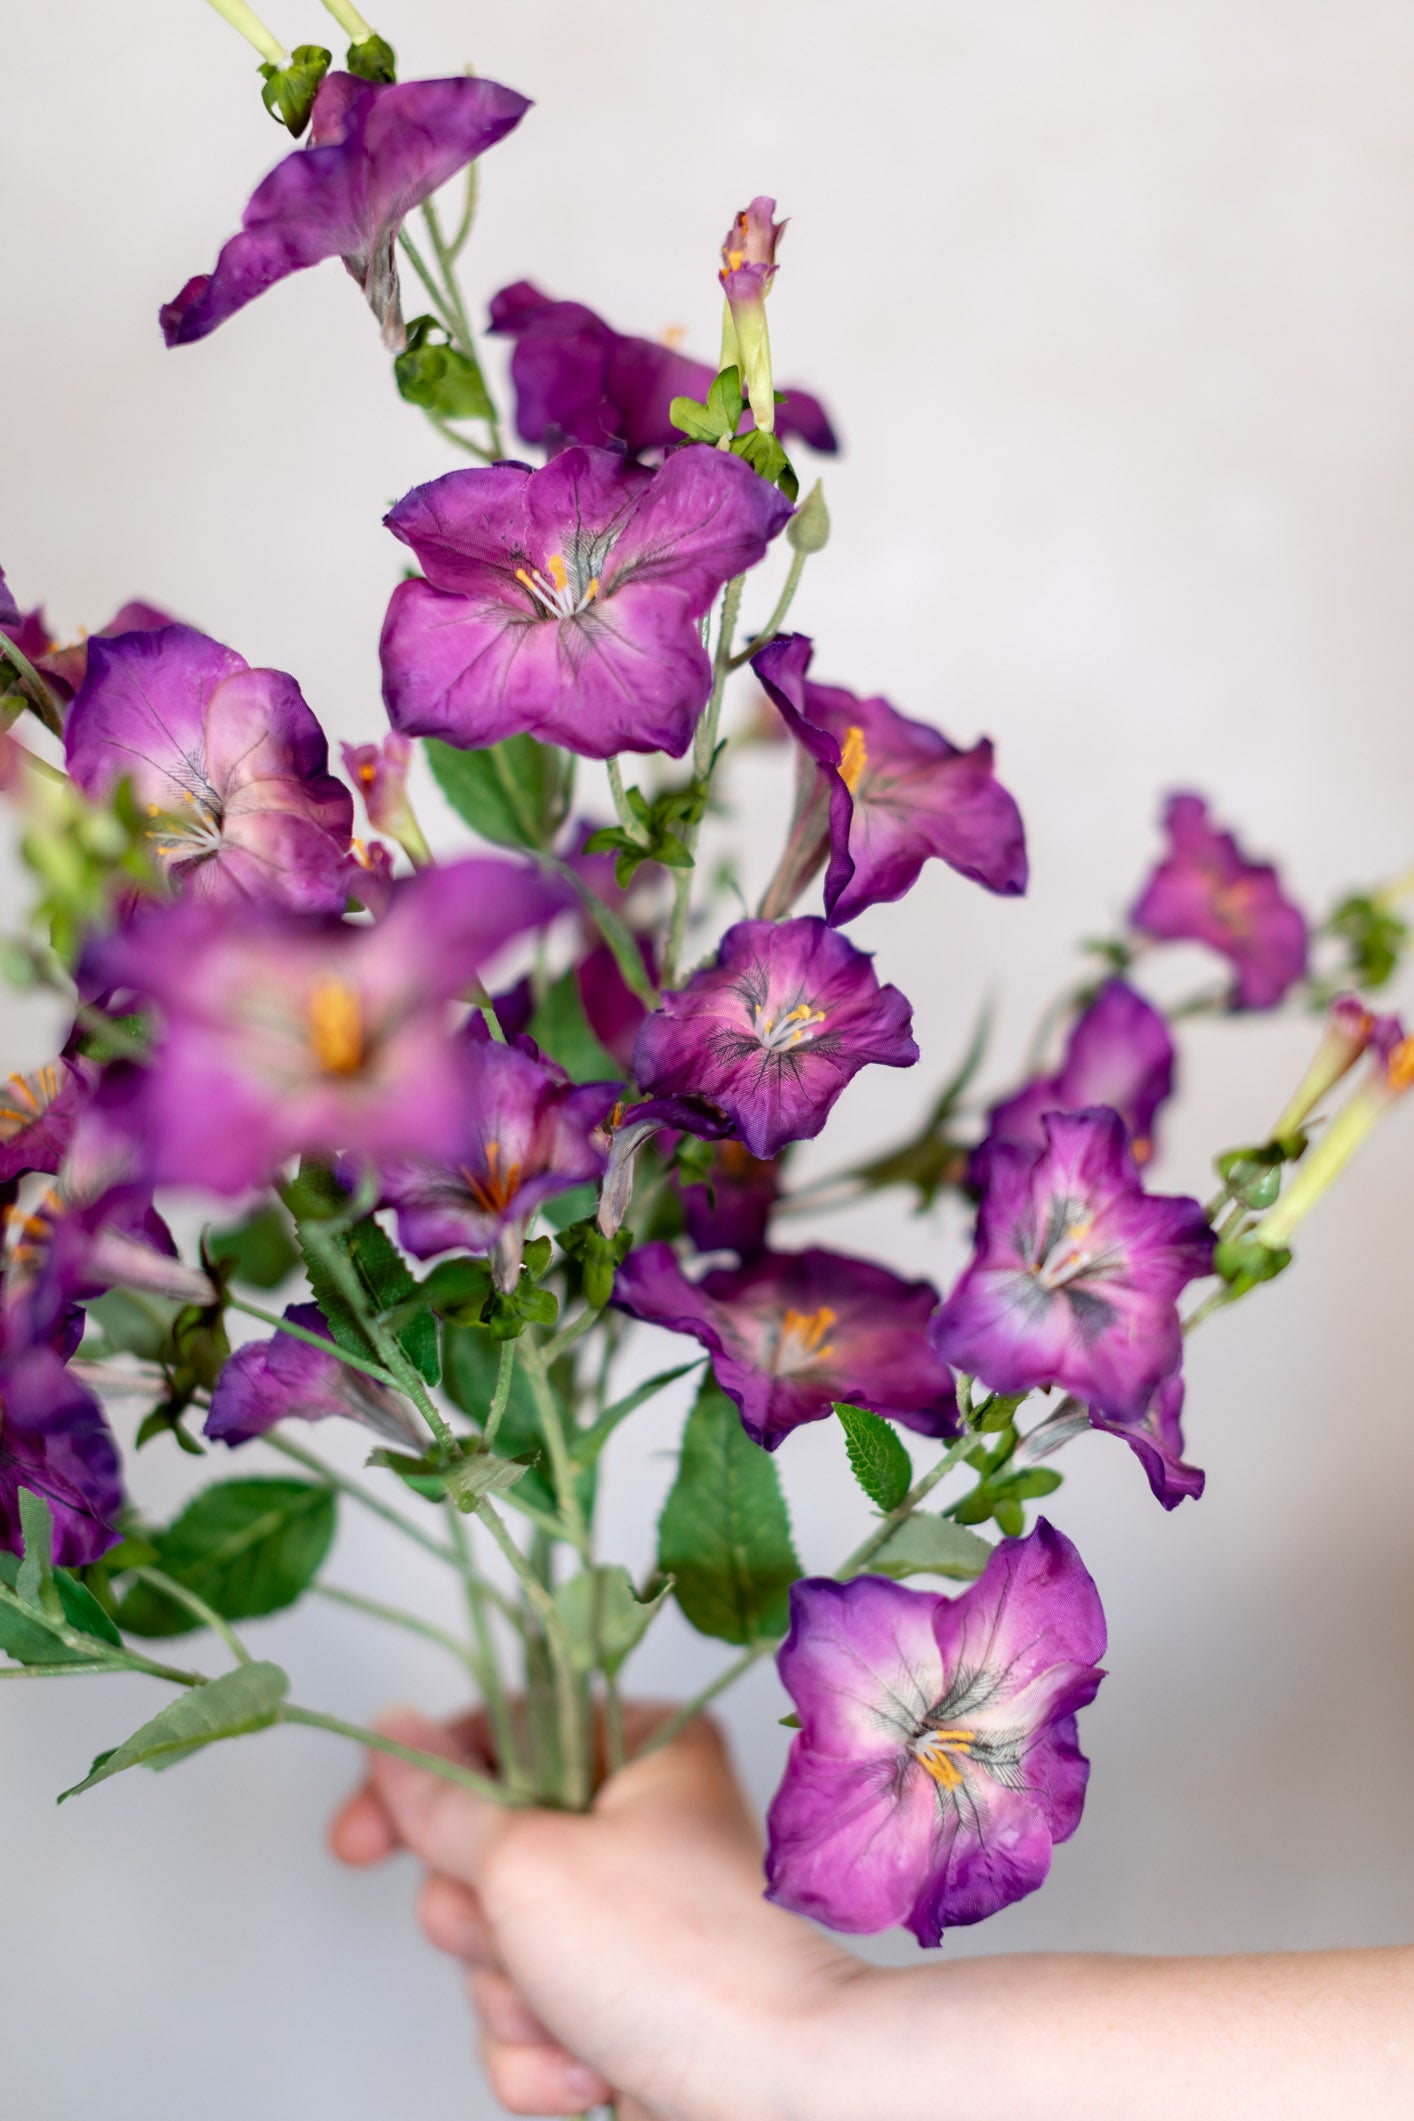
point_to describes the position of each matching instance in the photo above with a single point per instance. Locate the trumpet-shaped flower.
(55, 1442)
(284, 1379)
(936, 1765)
(883, 796)
(565, 601)
(526, 1134)
(375, 152)
(283, 1034)
(1207, 891)
(1119, 1053)
(229, 762)
(1077, 1271)
(576, 379)
(774, 1029)
(790, 1333)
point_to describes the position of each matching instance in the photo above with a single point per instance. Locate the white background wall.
(1114, 306)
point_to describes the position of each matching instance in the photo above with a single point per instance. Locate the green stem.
(435, 1763)
(887, 1526)
(1212, 1303)
(632, 825)
(777, 619)
(37, 692)
(493, 1688)
(397, 1618)
(349, 20)
(570, 1724)
(251, 27)
(500, 1398)
(401, 1372)
(615, 1755)
(552, 1427)
(457, 243)
(206, 1614)
(357, 1493)
(568, 1335)
(704, 746)
(419, 266)
(463, 442)
(683, 1715)
(463, 332)
(314, 1340)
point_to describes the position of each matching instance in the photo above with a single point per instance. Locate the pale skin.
(629, 1954)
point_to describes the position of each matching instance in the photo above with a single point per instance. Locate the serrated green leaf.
(560, 1028)
(247, 1699)
(514, 793)
(925, 1545)
(604, 1617)
(246, 1546)
(724, 1536)
(877, 1458)
(386, 1276)
(25, 1636)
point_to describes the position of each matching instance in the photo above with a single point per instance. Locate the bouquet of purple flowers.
(477, 1117)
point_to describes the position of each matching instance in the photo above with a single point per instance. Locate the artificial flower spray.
(460, 1126)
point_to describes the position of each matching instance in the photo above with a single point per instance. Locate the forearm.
(1071, 2038)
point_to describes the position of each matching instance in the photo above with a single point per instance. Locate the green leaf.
(246, 1546)
(290, 90)
(247, 1699)
(515, 793)
(372, 59)
(587, 1445)
(35, 1583)
(435, 375)
(604, 1616)
(877, 1458)
(724, 1536)
(925, 1545)
(768, 459)
(133, 1325)
(25, 1636)
(385, 1274)
(560, 1028)
(997, 1412)
(261, 1251)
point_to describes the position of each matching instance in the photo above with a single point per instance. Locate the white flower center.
(795, 1028)
(554, 590)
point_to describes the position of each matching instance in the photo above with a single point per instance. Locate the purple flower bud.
(774, 1029)
(284, 1379)
(375, 152)
(380, 772)
(790, 1333)
(1077, 1271)
(564, 602)
(55, 1442)
(748, 268)
(1207, 891)
(229, 763)
(882, 795)
(936, 1765)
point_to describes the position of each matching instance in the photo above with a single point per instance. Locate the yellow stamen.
(734, 258)
(934, 1751)
(336, 1026)
(853, 757)
(523, 575)
(1141, 1148)
(368, 773)
(804, 1333)
(1401, 1065)
(494, 1193)
(558, 572)
(592, 591)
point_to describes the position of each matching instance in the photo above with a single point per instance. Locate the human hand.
(627, 1952)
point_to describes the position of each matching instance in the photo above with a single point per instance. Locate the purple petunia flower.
(936, 1765)
(286, 1033)
(38, 1114)
(381, 772)
(229, 761)
(576, 379)
(526, 1133)
(1207, 891)
(882, 796)
(730, 1210)
(1119, 1053)
(565, 601)
(774, 1029)
(374, 153)
(55, 1442)
(790, 1333)
(1077, 1271)
(1156, 1440)
(284, 1379)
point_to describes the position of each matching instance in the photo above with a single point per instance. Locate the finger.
(453, 1921)
(505, 2015)
(542, 2080)
(447, 1826)
(361, 1831)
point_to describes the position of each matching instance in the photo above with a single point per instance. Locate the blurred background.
(1115, 309)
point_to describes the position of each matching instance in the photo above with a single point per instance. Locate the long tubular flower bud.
(748, 268)
(1348, 1031)
(1391, 1077)
(251, 27)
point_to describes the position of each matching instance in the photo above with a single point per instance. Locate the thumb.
(449, 1828)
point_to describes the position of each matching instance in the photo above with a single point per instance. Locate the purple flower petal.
(375, 152)
(1207, 891)
(1119, 1054)
(284, 1379)
(55, 1442)
(774, 1030)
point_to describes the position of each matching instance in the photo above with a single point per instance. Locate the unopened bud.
(809, 528)
(1349, 1029)
(748, 269)
(1391, 1075)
